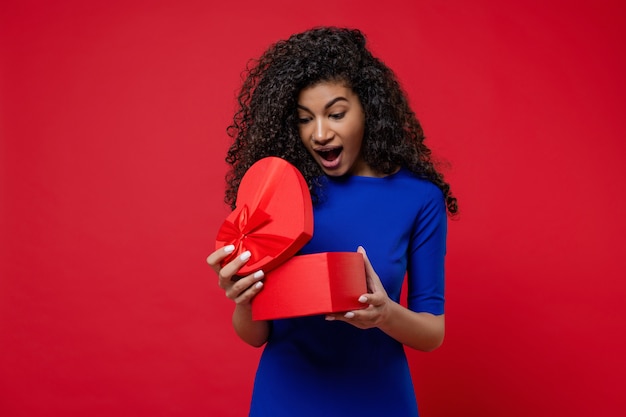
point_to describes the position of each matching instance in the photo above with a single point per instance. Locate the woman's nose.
(322, 133)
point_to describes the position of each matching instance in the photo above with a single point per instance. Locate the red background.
(112, 127)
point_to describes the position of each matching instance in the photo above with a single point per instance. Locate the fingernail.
(349, 315)
(330, 318)
(362, 299)
(229, 248)
(258, 285)
(245, 256)
(258, 274)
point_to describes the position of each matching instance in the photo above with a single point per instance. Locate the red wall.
(112, 128)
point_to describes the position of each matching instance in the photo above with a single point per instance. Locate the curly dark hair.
(266, 123)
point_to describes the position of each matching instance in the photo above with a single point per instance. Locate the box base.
(319, 283)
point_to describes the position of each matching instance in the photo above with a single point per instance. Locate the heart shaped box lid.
(273, 218)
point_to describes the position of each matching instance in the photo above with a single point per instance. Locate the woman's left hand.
(377, 301)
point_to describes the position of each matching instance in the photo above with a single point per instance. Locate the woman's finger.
(371, 277)
(249, 293)
(237, 288)
(216, 257)
(230, 269)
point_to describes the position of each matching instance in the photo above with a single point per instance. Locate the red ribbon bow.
(244, 234)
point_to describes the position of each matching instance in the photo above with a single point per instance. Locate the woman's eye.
(337, 116)
(304, 120)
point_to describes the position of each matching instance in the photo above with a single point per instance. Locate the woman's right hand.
(239, 289)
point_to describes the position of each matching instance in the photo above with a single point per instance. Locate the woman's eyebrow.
(333, 101)
(329, 104)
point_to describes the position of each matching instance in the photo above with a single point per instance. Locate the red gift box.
(312, 284)
(273, 219)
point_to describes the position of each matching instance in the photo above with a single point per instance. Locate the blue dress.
(318, 368)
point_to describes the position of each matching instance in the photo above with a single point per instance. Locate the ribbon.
(244, 234)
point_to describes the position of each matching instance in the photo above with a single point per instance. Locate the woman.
(321, 101)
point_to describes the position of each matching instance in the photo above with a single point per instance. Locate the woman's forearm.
(421, 331)
(255, 333)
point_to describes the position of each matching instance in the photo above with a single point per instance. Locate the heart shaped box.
(305, 285)
(273, 218)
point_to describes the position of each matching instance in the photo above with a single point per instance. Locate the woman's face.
(331, 126)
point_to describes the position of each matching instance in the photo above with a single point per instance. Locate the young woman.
(321, 101)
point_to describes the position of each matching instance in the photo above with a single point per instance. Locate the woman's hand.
(241, 291)
(422, 331)
(377, 301)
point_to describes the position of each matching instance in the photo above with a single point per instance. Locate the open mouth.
(329, 154)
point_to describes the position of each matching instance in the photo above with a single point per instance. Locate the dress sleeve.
(427, 250)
